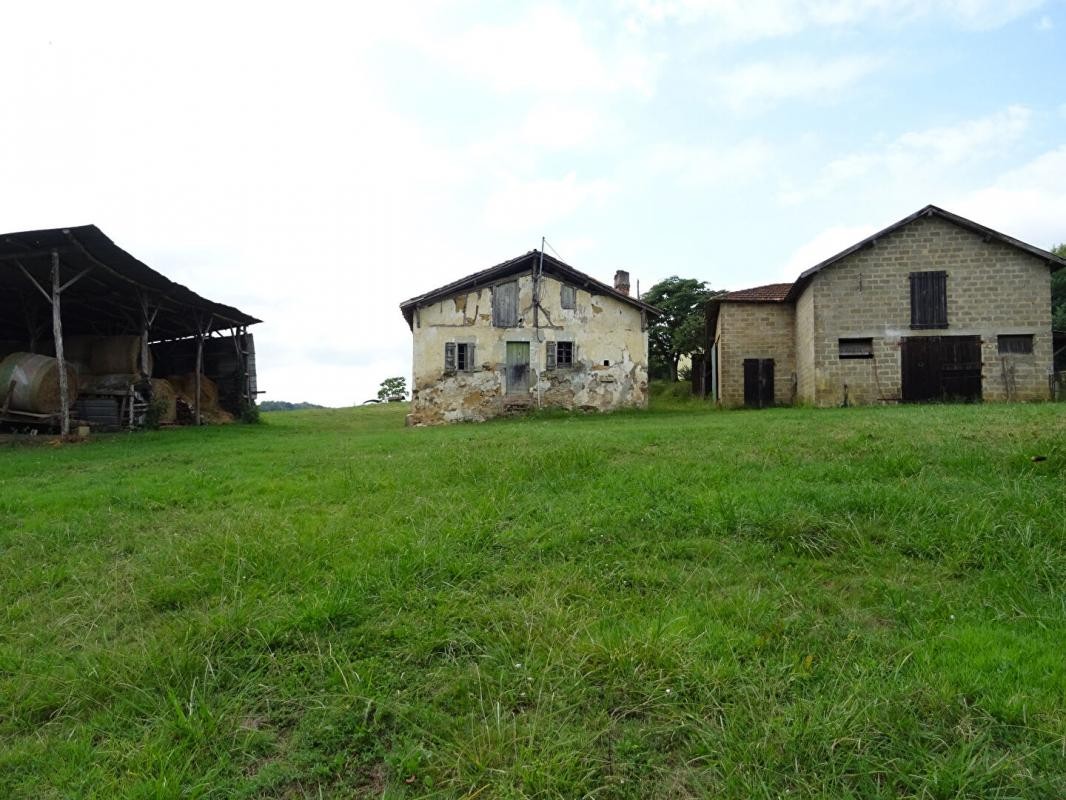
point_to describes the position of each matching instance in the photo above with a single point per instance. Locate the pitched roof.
(1054, 262)
(770, 293)
(523, 263)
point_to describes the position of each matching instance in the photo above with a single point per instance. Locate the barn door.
(941, 368)
(517, 367)
(758, 382)
(920, 364)
(960, 368)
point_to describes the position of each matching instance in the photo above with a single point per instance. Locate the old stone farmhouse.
(529, 332)
(934, 307)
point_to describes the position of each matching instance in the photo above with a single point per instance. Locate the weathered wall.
(755, 330)
(804, 336)
(602, 328)
(992, 289)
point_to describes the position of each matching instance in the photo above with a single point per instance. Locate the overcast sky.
(315, 164)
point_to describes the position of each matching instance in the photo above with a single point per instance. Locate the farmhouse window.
(559, 355)
(1018, 344)
(568, 296)
(505, 305)
(929, 299)
(856, 348)
(458, 357)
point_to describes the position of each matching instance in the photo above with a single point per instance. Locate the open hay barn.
(89, 335)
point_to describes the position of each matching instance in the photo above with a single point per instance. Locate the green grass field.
(673, 603)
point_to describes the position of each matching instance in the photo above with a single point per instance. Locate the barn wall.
(992, 289)
(756, 330)
(602, 328)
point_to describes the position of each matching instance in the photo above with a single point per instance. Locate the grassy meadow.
(672, 603)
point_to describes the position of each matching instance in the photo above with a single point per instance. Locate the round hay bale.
(36, 383)
(164, 394)
(78, 350)
(117, 354)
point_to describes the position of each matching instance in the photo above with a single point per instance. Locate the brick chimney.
(621, 281)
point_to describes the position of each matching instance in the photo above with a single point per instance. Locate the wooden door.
(920, 365)
(517, 367)
(758, 382)
(960, 368)
(941, 368)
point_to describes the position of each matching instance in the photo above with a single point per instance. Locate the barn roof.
(1053, 261)
(526, 262)
(106, 287)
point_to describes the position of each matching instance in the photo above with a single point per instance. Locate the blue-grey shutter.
(549, 355)
(449, 356)
(505, 305)
(471, 355)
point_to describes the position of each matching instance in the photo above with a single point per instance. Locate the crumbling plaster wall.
(610, 366)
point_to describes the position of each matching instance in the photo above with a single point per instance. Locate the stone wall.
(610, 367)
(755, 330)
(992, 289)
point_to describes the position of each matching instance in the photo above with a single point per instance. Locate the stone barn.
(933, 307)
(528, 333)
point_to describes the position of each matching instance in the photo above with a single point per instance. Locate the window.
(1019, 344)
(568, 296)
(856, 348)
(505, 305)
(929, 299)
(559, 355)
(459, 357)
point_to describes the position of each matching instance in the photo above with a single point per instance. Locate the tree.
(1058, 293)
(393, 387)
(681, 328)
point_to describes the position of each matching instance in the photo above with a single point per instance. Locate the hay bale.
(163, 394)
(36, 383)
(78, 350)
(185, 386)
(111, 355)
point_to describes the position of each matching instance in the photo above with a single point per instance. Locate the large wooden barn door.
(517, 367)
(758, 382)
(941, 368)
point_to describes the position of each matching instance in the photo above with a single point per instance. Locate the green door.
(517, 367)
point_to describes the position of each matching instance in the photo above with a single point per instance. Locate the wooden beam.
(77, 277)
(33, 280)
(57, 332)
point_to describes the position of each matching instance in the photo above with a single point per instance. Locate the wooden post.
(57, 332)
(199, 370)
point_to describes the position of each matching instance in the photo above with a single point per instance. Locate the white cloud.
(532, 204)
(1045, 23)
(919, 157)
(547, 50)
(757, 86)
(827, 243)
(742, 21)
(709, 165)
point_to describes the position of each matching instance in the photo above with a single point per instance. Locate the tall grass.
(681, 602)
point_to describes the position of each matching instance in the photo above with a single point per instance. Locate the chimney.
(621, 281)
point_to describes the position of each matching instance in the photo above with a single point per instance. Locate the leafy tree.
(1058, 293)
(681, 328)
(393, 387)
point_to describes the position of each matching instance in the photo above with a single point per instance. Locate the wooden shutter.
(549, 355)
(568, 296)
(505, 305)
(929, 299)
(471, 355)
(449, 356)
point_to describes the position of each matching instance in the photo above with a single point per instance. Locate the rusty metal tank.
(33, 381)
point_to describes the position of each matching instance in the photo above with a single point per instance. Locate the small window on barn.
(856, 348)
(458, 357)
(929, 299)
(505, 305)
(559, 355)
(568, 296)
(1019, 344)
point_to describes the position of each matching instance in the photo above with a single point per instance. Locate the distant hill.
(283, 405)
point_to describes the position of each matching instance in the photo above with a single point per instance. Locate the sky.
(315, 164)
